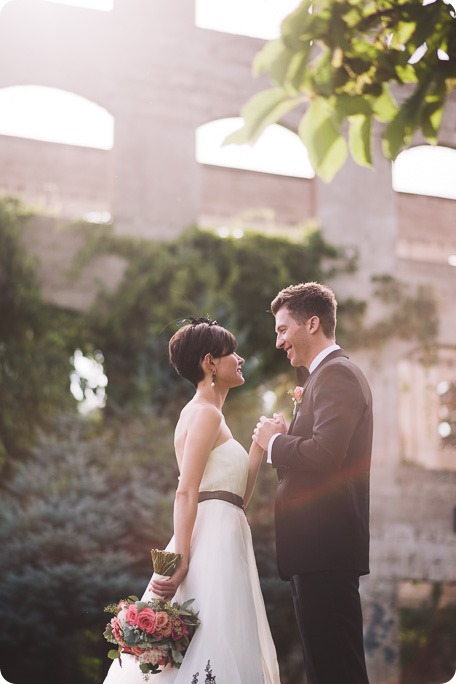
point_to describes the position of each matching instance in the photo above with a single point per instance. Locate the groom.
(322, 504)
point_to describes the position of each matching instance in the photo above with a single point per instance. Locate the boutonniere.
(296, 394)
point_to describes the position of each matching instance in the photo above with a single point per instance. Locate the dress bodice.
(227, 468)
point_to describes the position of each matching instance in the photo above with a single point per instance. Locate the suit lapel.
(304, 377)
(303, 373)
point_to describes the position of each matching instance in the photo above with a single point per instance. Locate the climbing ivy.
(232, 280)
(35, 342)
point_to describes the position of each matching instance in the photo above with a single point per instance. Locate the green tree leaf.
(342, 49)
(351, 105)
(274, 58)
(384, 106)
(261, 110)
(326, 146)
(397, 135)
(359, 139)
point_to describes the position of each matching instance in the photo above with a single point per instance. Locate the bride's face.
(229, 370)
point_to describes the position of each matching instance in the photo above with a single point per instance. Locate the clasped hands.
(267, 427)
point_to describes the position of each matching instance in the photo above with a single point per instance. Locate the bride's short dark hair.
(190, 344)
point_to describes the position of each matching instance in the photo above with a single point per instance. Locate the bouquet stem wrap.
(159, 577)
(165, 564)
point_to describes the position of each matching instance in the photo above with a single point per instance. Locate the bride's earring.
(213, 379)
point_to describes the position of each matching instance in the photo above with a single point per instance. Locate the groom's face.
(293, 338)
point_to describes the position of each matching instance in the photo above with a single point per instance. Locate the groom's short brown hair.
(306, 300)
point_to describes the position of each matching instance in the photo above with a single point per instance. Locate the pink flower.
(132, 614)
(154, 655)
(297, 394)
(163, 625)
(146, 620)
(178, 628)
(117, 630)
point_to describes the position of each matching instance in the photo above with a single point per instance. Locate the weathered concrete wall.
(279, 200)
(55, 245)
(59, 179)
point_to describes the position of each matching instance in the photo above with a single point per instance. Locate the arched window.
(427, 410)
(426, 170)
(277, 151)
(254, 18)
(53, 115)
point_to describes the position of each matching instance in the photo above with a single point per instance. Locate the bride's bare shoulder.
(199, 410)
(194, 414)
(196, 419)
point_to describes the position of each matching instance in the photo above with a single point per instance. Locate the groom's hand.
(280, 420)
(267, 427)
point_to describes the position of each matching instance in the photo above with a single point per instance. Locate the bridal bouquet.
(154, 632)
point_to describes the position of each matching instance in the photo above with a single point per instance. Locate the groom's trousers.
(329, 616)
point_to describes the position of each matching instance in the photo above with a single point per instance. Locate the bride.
(211, 532)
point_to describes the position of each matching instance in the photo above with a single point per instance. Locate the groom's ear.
(314, 324)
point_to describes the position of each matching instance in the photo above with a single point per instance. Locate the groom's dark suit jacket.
(323, 465)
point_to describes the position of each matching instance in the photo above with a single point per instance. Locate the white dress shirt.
(315, 363)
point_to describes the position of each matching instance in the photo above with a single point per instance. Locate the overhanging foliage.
(345, 60)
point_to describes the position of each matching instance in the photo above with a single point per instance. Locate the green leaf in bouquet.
(108, 635)
(133, 598)
(140, 605)
(177, 656)
(113, 654)
(111, 608)
(185, 611)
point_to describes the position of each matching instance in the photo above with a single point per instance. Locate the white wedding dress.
(234, 634)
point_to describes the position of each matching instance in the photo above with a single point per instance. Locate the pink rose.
(132, 614)
(117, 630)
(163, 625)
(146, 620)
(297, 394)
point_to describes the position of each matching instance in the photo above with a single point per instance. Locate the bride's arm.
(201, 436)
(255, 458)
(256, 452)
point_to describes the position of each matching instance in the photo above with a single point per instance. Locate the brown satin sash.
(224, 496)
